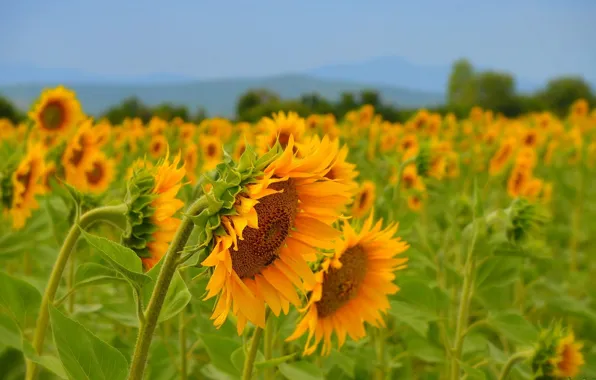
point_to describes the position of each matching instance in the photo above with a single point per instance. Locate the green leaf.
(83, 355)
(58, 216)
(178, 295)
(123, 259)
(514, 327)
(10, 334)
(473, 373)
(341, 361)
(424, 350)
(274, 362)
(49, 362)
(301, 370)
(19, 300)
(92, 273)
(220, 352)
(497, 272)
(416, 318)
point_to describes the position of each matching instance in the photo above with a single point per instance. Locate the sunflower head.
(557, 354)
(23, 183)
(57, 111)
(152, 205)
(266, 217)
(279, 128)
(526, 219)
(364, 200)
(352, 286)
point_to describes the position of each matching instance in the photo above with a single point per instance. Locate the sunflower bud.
(424, 160)
(557, 354)
(152, 203)
(526, 219)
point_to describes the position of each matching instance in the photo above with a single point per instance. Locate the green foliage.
(83, 355)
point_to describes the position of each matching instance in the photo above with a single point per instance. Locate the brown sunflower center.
(342, 285)
(530, 139)
(156, 147)
(53, 115)
(284, 139)
(260, 247)
(363, 198)
(211, 150)
(95, 175)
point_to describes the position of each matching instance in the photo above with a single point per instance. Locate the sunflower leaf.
(122, 259)
(83, 355)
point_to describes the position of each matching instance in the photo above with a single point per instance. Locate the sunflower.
(100, 173)
(152, 205)
(280, 220)
(569, 357)
(364, 200)
(26, 184)
(502, 156)
(280, 128)
(57, 111)
(78, 155)
(191, 161)
(557, 354)
(351, 286)
(158, 146)
(518, 179)
(415, 202)
(211, 151)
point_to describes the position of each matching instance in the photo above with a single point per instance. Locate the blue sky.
(208, 39)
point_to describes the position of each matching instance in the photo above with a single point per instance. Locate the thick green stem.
(139, 359)
(252, 354)
(514, 359)
(70, 283)
(464, 305)
(182, 340)
(380, 352)
(268, 349)
(111, 214)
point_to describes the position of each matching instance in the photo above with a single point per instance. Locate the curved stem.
(464, 305)
(112, 214)
(512, 361)
(139, 359)
(249, 361)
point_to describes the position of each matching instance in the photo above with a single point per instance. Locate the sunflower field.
(297, 248)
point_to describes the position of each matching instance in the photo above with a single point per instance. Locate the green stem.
(464, 305)
(112, 214)
(513, 359)
(397, 188)
(182, 339)
(380, 353)
(252, 354)
(139, 359)
(70, 283)
(268, 349)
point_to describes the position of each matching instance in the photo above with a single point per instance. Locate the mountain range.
(398, 81)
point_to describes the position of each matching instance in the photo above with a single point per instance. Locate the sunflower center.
(211, 150)
(53, 115)
(363, 197)
(284, 139)
(276, 214)
(96, 174)
(567, 362)
(342, 285)
(156, 147)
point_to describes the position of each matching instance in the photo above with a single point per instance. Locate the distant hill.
(397, 71)
(13, 74)
(217, 96)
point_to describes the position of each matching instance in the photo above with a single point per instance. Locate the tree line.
(467, 87)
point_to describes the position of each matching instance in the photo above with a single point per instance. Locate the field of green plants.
(297, 248)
